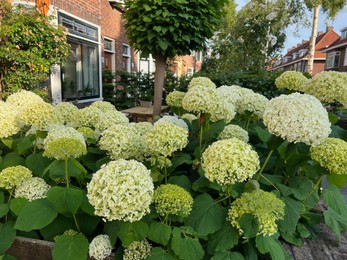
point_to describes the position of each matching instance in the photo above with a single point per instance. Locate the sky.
(304, 33)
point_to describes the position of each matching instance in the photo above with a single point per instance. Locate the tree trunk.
(313, 40)
(160, 63)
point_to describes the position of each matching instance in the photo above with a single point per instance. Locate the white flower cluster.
(109, 118)
(201, 81)
(174, 98)
(88, 116)
(232, 94)
(252, 102)
(329, 86)
(121, 190)
(229, 161)
(122, 142)
(23, 99)
(65, 112)
(8, 120)
(137, 250)
(141, 128)
(297, 118)
(223, 111)
(32, 189)
(234, 131)
(189, 117)
(165, 138)
(100, 247)
(174, 120)
(13, 176)
(292, 80)
(103, 106)
(64, 142)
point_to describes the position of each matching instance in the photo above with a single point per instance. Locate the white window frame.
(345, 60)
(344, 34)
(330, 60)
(127, 55)
(111, 51)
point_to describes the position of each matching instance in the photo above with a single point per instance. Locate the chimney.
(329, 28)
(320, 33)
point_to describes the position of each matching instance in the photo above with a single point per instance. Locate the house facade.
(97, 37)
(296, 57)
(337, 53)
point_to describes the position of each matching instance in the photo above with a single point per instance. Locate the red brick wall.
(318, 67)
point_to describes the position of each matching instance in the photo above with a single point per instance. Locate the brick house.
(187, 65)
(337, 53)
(97, 37)
(296, 58)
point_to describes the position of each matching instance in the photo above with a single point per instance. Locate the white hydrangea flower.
(103, 106)
(142, 128)
(189, 117)
(100, 247)
(88, 116)
(201, 81)
(121, 190)
(229, 161)
(110, 118)
(122, 142)
(292, 80)
(174, 120)
(165, 138)
(32, 189)
(232, 94)
(65, 111)
(234, 131)
(137, 250)
(174, 98)
(297, 118)
(252, 102)
(8, 120)
(223, 111)
(23, 99)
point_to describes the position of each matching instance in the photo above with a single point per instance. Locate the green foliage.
(70, 247)
(31, 45)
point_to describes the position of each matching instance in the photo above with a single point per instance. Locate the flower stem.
(264, 165)
(165, 174)
(76, 223)
(200, 142)
(314, 188)
(67, 178)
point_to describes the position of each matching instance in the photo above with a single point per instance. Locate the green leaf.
(224, 239)
(183, 158)
(159, 253)
(163, 44)
(206, 216)
(4, 209)
(88, 224)
(335, 221)
(35, 215)
(7, 236)
(249, 225)
(291, 216)
(17, 204)
(181, 181)
(301, 187)
(7, 141)
(263, 134)
(333, 118)
(57, 227)
(7, 257)
(70, 247)
(338, 180)
(159, 233)
(129, 232)
(228, 256)
(338, 132)
(12, 159)
(266, 244)
(65, 199)
(26, 143)
(303, 231)
(186, 247)
(37, 163)
(111, 229)
(57, 169)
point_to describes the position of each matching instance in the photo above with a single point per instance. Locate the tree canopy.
(30, 46)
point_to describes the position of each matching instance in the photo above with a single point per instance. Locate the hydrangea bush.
(228, 174)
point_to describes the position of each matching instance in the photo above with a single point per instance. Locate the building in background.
(336, 53)
(296, 58)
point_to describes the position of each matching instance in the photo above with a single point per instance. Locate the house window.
(302, 52)
(109, 60)
(332, 60)
(344, 34)
(81, 72)
(345, 61)
(126, 58)
(295, 55)
(190, 72)
(287, 59)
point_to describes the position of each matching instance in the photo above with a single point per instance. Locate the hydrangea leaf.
(249, 225)
(224, 239)
(159, 233)
(57, 227)
(88, 223)
(227, 256)
(26, 143)
(12, 159)
(7, 236)
(17, 204)
(337, 179)
(37, 164)
(35, 215)
(206, 216)
(291, 216)
(129, 232)
(185, 246)
(263, 135)
(181, 181)
(4, 208)
(70, 247)
(65, 199)
(266, 244)
(159, 253)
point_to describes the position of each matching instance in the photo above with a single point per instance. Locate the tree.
(331, 8)
(30, 46)
(251, 38)
(166, 28)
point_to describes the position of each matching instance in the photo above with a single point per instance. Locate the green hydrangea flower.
(110, 118)
(170, 199)
(265, 206)
(13, 176)
(121, 190)
(234, 131)
(63, 142)
(201, 81)
(23, 99)
(189, 117)
(297, 118)
(32, 189)
(88, 116)
(252, 102)
(174, 120)
(65, 112)
(103, 106)
(223, 111)
(142, 128)
(100, 247)
(229, 161)
(88, 133)
(232, 94)
(137, 250)
(329, 86)
(8, 120)
(165, 138)
(292, 80)
(331, 154)
(122, 142)
(175, 98)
